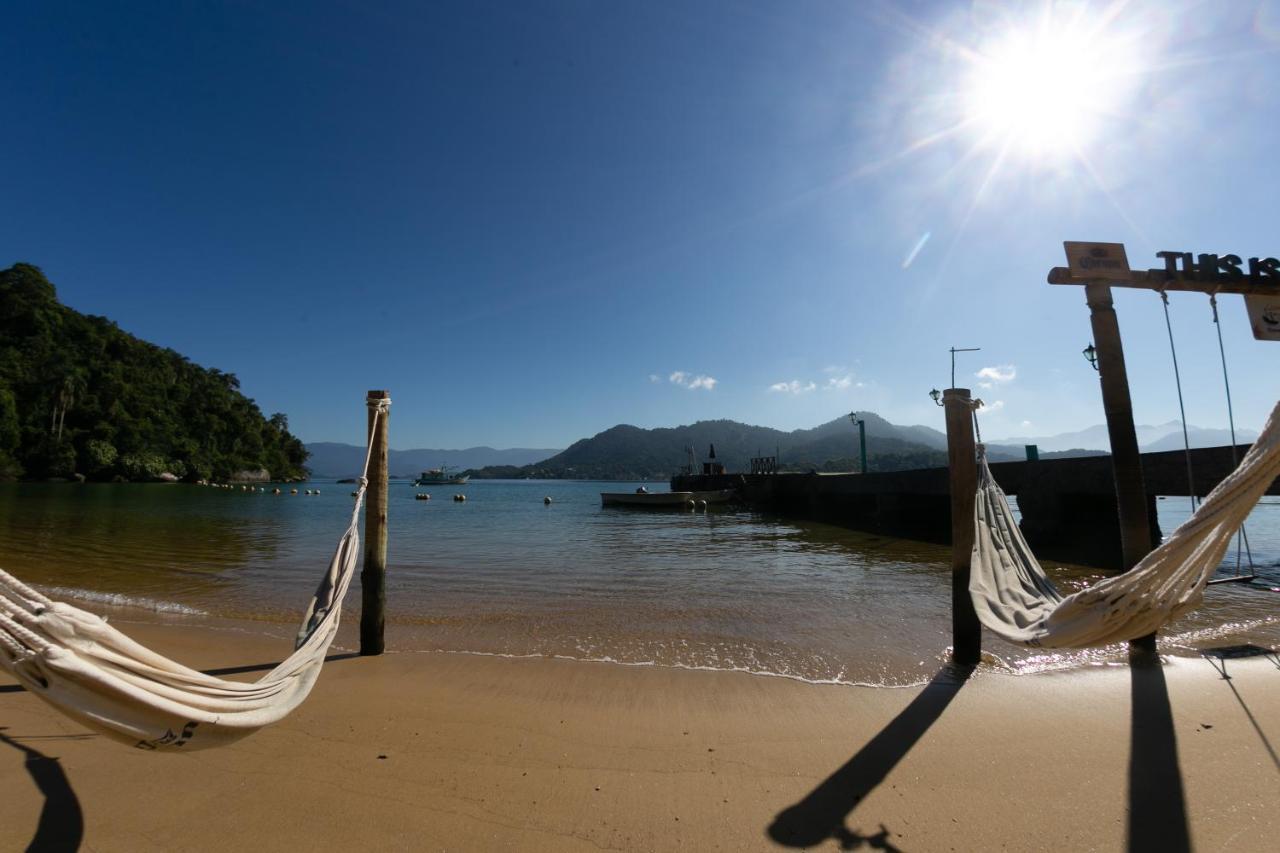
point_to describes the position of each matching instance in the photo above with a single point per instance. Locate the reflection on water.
(504, 574)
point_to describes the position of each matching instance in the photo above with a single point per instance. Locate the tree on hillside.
(79, 395)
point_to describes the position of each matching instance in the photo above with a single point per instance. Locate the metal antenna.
(955, 350)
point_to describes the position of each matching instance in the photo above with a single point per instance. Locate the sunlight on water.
(502, 574)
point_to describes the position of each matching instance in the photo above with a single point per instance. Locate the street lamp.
(1091, 355)
(862, 438)
(936, 394)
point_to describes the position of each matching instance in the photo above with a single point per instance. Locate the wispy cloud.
(838, 378)
(795, 386)
(993, 406)
(996, 375)
(653, 377)
(692, 382)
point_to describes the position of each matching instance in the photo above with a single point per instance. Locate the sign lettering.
(1216, 268)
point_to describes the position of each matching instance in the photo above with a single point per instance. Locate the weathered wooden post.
(966, 631)
(1131, 489)
(373, 574)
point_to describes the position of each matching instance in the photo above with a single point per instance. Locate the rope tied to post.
(975, 403)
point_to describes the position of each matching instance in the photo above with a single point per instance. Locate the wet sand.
(462, 752)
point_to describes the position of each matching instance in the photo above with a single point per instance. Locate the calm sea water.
(504, 574)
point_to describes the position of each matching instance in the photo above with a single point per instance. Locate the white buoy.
(293, 491)
(546, 501)
(702, 505)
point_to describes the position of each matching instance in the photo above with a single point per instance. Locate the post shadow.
(822, 814)
(1157, 819)
(61, 823)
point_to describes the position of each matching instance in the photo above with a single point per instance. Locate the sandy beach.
(464, 752)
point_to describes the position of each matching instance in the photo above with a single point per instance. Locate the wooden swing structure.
(1098, 267)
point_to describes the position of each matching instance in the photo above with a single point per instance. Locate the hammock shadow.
(1157, 818)
(822, 814)
(61, 824)
(267, 667)
(1222, 655)
(226, 670)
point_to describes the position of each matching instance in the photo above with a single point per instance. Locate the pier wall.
(1068, 506)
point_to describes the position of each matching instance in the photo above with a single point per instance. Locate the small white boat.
(673, 500)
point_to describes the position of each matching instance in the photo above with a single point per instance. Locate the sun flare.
(1045, 91)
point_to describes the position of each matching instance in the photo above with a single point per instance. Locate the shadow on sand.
(226, 670)
(1157, 806)
(1218, 658)
(267, 667)
(61, 823)
(822, 814)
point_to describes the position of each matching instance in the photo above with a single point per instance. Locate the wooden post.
(1131, 490)
(373, 593)
(966, 631)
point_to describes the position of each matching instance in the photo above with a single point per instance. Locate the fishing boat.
(669, 500)
(441, 477)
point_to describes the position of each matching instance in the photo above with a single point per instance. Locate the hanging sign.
(1264, 316)
(1096, 260)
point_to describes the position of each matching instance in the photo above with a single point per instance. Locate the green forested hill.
(627, 452)
(80, 396)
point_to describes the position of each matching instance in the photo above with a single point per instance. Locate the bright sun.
(1046, 91)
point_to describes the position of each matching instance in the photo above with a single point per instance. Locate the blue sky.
(531, 221)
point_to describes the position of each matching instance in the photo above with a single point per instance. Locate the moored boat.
(441, 477)
(673, 500)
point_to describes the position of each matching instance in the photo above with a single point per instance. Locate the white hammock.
(99, 677)
(1015, 599)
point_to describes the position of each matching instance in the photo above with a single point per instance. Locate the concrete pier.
(1068, 506)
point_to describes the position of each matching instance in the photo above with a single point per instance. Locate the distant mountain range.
(627, 452)
(1167, 436)
(334, 459)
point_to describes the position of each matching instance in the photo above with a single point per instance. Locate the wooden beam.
(1161, 280)
(373, 575)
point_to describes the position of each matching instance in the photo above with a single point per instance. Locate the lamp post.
(862, 439)
(936, 396)
(1090, 354)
